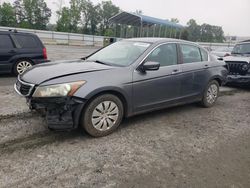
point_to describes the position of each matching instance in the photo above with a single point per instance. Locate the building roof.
(138, 20)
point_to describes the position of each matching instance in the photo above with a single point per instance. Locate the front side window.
(165, 54)
(191, 54)
(6, 42)
(121, 53)
(26, 41)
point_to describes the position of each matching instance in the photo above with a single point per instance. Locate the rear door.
(153, 89)
(6, 52)
(194, 69)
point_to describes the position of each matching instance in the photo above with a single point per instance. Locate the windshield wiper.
(101, 62)
(105, 63)
(98, 61)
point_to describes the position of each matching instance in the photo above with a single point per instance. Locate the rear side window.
(191, 54)
(5, 42)
(204, 55)
(26, 41)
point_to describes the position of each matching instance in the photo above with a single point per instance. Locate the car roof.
(158, 40)
(16, 32)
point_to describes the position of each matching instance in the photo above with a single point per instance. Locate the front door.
(153, 89)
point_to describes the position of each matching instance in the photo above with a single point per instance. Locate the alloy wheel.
(22, 66)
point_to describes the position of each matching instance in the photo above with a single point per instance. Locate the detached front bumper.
(238, 79)
(62, 113)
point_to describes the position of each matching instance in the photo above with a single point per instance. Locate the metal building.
(128, 25)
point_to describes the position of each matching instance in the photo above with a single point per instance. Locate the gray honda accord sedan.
(129, 77)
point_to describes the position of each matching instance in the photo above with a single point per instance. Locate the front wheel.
(211, 94)
(102, 115)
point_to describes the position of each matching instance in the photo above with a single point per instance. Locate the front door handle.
(206, 66)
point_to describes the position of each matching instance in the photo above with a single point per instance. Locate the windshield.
(121, 53)
(241, 49)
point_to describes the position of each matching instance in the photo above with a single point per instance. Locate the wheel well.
(117, 94)
(218, 80)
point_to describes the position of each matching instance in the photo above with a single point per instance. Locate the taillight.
(45, 53)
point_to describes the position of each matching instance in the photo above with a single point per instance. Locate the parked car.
(126, 78)
(222, 51)
(239, 64)
(20, 51)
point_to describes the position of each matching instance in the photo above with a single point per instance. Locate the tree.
(185, 34)
(63, 24)
(19, 11)
(108, 9)
(75, 14)
(204, 32)
(218, 34)
(193, 30)
(174, 20)
(94, 18)
(7, 15)
(86, 15)
(32, 13)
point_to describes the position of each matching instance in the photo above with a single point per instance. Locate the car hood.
(237, 58)
(48, 71)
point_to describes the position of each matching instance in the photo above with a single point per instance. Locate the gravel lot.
(186, 146)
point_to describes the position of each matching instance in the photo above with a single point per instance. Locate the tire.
(102, 115)
(210, 94)
(21, 66)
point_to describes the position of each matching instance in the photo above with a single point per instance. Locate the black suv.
(19, 51)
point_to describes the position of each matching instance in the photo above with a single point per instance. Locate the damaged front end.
(62, 112)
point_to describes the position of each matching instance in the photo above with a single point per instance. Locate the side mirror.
(150, 66)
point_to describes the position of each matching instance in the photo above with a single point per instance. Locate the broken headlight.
(58, 90)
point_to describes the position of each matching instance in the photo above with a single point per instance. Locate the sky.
(232, 15)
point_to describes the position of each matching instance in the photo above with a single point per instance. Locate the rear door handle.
(206, 66)
(175, 71)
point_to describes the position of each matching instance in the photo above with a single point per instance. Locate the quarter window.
(190, 53)
(204, 55)
(6, 42)
(165, 55)
(26, 41)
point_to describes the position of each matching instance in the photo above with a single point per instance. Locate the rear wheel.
(102, 115)
(211, 94)
(21, 66)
